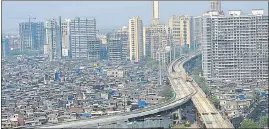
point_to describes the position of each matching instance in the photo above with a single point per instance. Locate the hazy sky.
(112, 14)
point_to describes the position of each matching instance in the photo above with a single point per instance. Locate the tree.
(129, 102)
(248, 124)
(215, 101)
(201, 82)
(167, 92)
(263, 122)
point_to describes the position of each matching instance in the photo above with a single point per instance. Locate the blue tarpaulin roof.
(70, 98)
(263, 94)
(78, 70)
(56, 76)
(85, 114)
(9, 86)
(141, 104)
(141, 83)
(241, 97)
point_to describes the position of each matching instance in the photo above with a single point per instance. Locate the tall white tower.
(155, 12)
(215, 5)
(135, 38)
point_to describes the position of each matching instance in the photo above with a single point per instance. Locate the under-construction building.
(32, 35)
(235, 47)
(83, 42)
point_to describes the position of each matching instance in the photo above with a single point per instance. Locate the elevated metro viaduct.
(185, 91)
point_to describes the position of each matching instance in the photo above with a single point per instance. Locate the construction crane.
(29, 18)
(30, 28)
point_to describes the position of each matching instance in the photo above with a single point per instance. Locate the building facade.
(155, 39)
(93, 51)
(66, 53)
(196, 32)
(103, 52)
(27, 32)
(136, 39)
(114, 49)
(180, 30)
(83, 38)
(235, 47)
(32, 35)
(5, 48)
(53, 46)
(122, 34)
(41, 35)
(155, 11)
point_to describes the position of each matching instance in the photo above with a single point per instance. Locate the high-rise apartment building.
(93, 52)
(65, 38)
(114, 49)
(136, 38)
(180, 29)
(103, 52)
(154, 37)
(32, 35)
(122, 34)
(27, 33)
(41, 35)
(215, 5)
(235, 47)
(146, 41)
(53, 46)
(155, 11)
(117, 44)
(196, 32)
(5, 48)
(83, 40)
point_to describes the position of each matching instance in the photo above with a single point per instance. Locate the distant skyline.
(111, 14)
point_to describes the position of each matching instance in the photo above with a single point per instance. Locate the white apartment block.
(155, 7)
(65, 37)
(235, 47)
(83, 38)
(136, 38)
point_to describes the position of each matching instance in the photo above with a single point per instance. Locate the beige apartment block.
(180, 29)
(136, 38)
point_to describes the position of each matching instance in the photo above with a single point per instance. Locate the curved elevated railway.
(184, 91)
